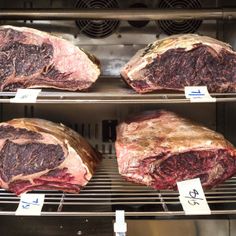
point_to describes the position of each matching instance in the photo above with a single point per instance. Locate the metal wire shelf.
(107, 192)
(113, 90)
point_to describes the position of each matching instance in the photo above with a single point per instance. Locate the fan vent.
(179, 26)
(97, 28)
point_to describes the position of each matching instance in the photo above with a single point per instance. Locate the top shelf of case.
(113, 90)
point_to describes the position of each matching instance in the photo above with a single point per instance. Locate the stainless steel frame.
(107, 191)
(118, 14)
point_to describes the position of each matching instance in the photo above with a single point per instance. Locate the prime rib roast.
(30, 58)
(159, 148)
(182, 60)
(39, 154)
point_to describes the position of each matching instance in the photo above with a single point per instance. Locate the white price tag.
(26, 96)
(192, 197)
(30, 204)
(198, 94)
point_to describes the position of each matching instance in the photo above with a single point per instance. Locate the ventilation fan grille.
(179, 26)
(97, 28)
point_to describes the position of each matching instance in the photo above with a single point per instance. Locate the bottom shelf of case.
(108, 192)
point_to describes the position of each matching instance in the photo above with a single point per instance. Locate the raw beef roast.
(39, 154)
(160, 148)
(33, 59)
(183, 60)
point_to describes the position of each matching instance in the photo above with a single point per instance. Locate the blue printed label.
(198, 94)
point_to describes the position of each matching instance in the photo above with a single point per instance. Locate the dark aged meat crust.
(38, 154)
(160, 148)
(179, 61)
(33, 59)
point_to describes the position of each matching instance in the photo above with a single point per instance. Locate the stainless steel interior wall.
(114, 51)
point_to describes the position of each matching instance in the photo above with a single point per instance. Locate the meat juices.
(159, 148)
(182, 60)
(39, 154)
(30, 58)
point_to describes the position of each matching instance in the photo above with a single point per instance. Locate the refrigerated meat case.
(113, 31)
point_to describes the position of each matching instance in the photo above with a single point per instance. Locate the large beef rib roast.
(160, 148)
(39, 154)
(182, 60)
(30, 58)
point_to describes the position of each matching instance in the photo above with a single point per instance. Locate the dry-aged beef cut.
(30, 58)
(39, 154)
(182, 60)
(159, 148)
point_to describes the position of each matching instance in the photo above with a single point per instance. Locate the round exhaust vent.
(179, 26)
(97, 28)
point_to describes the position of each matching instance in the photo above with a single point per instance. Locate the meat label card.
(26, 96)
(30, 204)
(192, 197)
(198, 94)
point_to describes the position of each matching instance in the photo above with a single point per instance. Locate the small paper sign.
(192, 197)
(26, 96)
(30, 204)
(198, 94)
